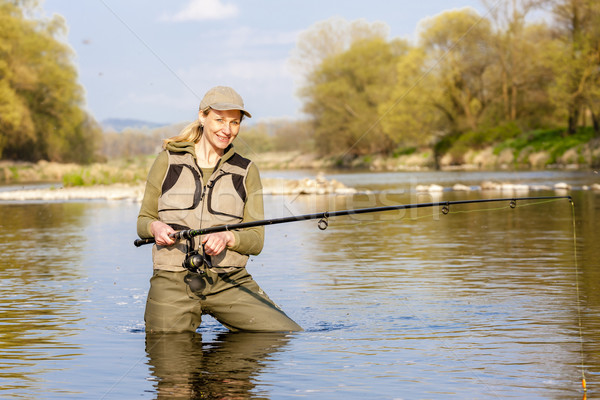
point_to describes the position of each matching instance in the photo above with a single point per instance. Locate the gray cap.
(223, 98)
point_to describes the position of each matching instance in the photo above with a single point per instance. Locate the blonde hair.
(191, 132)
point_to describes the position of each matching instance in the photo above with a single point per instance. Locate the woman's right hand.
(161, 232)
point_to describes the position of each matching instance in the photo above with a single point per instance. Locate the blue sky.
(154, 60)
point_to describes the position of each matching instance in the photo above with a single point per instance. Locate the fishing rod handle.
(185, 234)
(141, 242)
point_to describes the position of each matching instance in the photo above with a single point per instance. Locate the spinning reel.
(196, 261)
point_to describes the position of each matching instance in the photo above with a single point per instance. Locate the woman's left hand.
(215, 243)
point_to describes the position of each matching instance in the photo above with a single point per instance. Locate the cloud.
(235, 70)
(198, 10)
(250, 37)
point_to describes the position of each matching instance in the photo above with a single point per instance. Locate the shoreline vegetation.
(271, 186)
(534, 151)
(123, 179)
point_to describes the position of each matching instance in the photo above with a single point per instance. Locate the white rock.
(461, 187)
(540, 187)
(489, 185)
(429, 188)
(562, 186)
(521, 188)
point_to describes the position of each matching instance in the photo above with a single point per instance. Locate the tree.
(41, 115)
(578, 62)
(344, 94)
(409, 117)
(458, 45)
(293, 135)
(329, 38)
(522, 73)
(459, 57)
(254, 139)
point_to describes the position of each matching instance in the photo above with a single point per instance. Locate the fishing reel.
(197, 262)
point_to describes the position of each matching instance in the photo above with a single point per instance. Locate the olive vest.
(184, 203)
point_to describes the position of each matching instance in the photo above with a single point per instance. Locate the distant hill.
(119, 124)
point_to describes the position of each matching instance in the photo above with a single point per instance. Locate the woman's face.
(220, 128)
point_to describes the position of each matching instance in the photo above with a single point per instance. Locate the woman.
(199, 181)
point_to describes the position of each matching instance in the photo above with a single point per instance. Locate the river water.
(486, 302)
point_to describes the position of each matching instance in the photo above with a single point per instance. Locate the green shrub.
(403, 151)
(553, 141)
(73, 179)
(15, 173)
(458, 144)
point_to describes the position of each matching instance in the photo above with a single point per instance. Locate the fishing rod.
(192, 263)
(324, 216)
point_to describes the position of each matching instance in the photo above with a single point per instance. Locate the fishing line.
(578, 302)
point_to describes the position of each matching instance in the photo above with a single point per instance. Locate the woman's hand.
(161, 232)
(215, 243)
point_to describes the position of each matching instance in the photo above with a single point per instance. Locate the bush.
(487, 137)
(553, 141)
(73, 179)
(403, 151)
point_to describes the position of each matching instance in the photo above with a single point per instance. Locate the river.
(486, 302)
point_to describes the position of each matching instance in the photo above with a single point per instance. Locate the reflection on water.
(184, 366)
(486, 285)
(40, 273)
(480, 303)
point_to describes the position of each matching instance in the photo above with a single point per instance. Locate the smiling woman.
(220, 128)
(200, 181)
(220, 116)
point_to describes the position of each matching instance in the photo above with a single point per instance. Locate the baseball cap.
(223, 98)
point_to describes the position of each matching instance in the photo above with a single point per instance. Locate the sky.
(153, 60)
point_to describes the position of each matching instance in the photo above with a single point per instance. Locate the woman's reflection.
(186, 368)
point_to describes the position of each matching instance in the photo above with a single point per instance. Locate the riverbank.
(491, 158)
(320, 185)
(274, 186)
(124, 178)
(534, 154)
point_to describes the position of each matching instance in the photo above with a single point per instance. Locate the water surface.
(484, 302)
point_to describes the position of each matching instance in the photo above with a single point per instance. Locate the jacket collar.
(189, 147)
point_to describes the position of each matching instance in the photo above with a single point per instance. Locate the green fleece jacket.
(247, 241)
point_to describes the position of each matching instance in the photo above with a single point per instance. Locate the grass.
(552, 141)
(126, 171)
